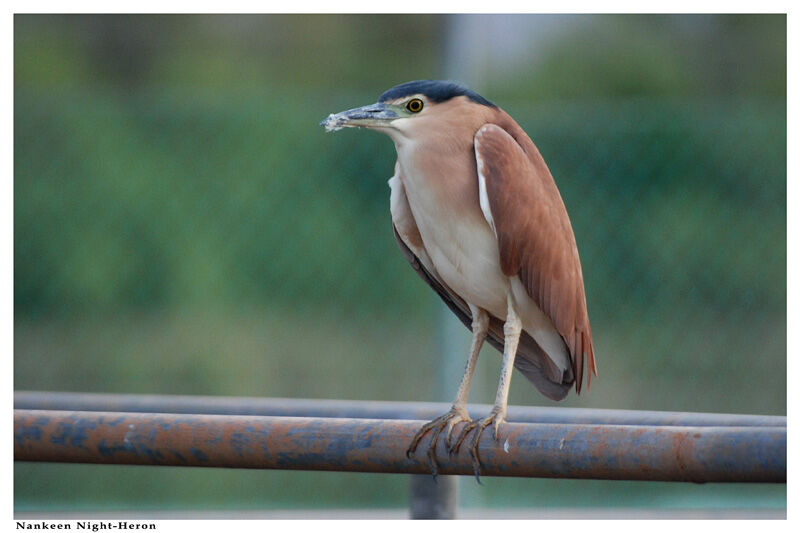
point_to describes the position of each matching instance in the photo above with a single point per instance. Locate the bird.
(476, 212)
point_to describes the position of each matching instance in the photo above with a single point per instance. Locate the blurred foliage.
(166, 200)
(658, 55)
(224, 52)
(183, 225)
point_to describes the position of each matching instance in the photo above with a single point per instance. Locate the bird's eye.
(415, 105)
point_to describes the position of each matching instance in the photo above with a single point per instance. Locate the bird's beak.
(370, 116)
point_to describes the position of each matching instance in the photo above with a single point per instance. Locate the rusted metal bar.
(144, 403)
(671, 453)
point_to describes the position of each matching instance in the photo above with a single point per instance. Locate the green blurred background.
(183, 225)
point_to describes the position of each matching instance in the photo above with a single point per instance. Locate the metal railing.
(226, 405)
(373, 436)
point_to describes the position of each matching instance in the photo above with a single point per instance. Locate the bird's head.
(412, 107)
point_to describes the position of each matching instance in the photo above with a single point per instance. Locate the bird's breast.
(443, 197)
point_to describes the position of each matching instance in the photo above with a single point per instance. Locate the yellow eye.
(415, 105)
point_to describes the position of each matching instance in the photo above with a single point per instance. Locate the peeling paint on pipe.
(665, 453)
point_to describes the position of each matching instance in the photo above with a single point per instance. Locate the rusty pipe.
(669, 453)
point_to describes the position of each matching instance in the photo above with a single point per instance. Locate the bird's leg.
(458, 412)
(511, 330)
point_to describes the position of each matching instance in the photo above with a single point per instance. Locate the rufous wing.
(522, 204)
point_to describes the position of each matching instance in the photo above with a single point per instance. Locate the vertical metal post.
(439, 499)
(464, 60)
(434, 500)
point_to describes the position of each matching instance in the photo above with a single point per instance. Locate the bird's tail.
(534, 363)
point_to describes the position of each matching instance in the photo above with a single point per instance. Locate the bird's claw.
(461, 436)
(496, 417)
(447, 420)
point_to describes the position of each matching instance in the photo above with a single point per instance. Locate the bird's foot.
(448, 421)
(495, 418)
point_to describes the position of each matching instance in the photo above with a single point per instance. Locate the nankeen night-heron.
(476, 212)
